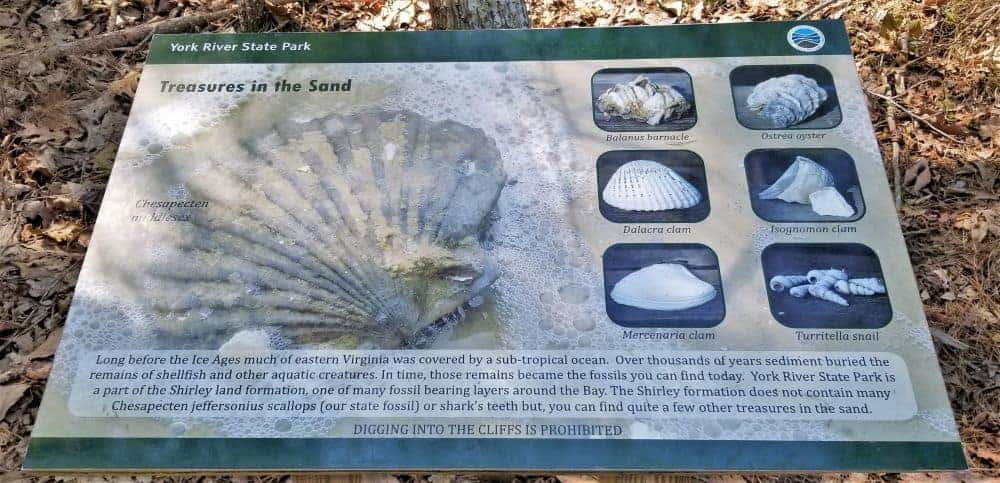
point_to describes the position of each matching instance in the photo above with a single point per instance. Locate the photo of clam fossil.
(826, 286)
(663, 285)
(660, 99)
(652, 186)
(360, 230)
(785, 97)
(804, 185)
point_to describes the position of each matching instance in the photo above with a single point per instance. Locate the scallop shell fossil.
(664, 286)
(787, 100)
(649, 186)
(803, 178)
(354, 231)
(642, 100)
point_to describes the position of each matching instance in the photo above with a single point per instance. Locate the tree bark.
(479, 14)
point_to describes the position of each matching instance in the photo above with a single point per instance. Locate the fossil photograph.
(826, 286)
(663, 285)
(804, 185)
(785, 97)
(360, 230)
(660, 99)
(652, 186)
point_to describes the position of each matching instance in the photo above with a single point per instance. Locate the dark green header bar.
(749, 39)
(311, 454)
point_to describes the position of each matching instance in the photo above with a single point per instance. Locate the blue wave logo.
(806, 38)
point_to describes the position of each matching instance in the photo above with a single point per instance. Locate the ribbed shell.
(354, 230)
(787, 100)
(649, 186)
(800, 180)
(664, 286)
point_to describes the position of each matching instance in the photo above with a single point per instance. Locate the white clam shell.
(649, 186)
(800, 180)
(642, 100)
(664, 286)
(787, 100)
(829, 202)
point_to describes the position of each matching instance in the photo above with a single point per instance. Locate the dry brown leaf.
(125, 86)
(63, 230)
(946, 339)
(39, 167)
(918, 176)
(9, 191)
(9, 395)
(975, 223)
(39, 370)
(84, 239)
(48, 347)
(985, 453)
(990, 129)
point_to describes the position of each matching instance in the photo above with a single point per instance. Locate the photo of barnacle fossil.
(826, 285)
(660, 99)
(804, 185)
(663, 285)
(652, 186)
(358, 230)
(785, 97)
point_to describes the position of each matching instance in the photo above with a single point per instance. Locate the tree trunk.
(479, 14)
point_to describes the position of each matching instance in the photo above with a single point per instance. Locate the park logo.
(806, 38)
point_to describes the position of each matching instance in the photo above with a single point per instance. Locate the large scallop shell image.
(663, 286)
(643, 100)
(359, 230)
(643, 185)
(801, 179)
(787, 100)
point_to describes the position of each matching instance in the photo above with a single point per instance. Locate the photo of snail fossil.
(826, 286)
(652, 186)
(804, 185)
(660, 99)
(663, 285)
(785, 97)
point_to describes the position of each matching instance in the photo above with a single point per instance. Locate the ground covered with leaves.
(931, 69)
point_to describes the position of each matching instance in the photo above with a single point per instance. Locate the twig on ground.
(818, 8)
(118, 38)
(914, 116)
(897, 182)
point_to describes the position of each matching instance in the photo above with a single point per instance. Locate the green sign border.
(747, 39)
(349, 454)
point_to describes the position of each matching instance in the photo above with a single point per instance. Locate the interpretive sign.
(589, 249)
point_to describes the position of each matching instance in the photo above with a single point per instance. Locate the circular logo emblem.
(806, 38)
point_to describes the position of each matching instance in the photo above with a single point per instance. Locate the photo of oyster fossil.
(663, 285)
(785, 97)
(804, 185)
(825, 285)
(643, 99)
(359, 230)
(652, 186)
(786, 100)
